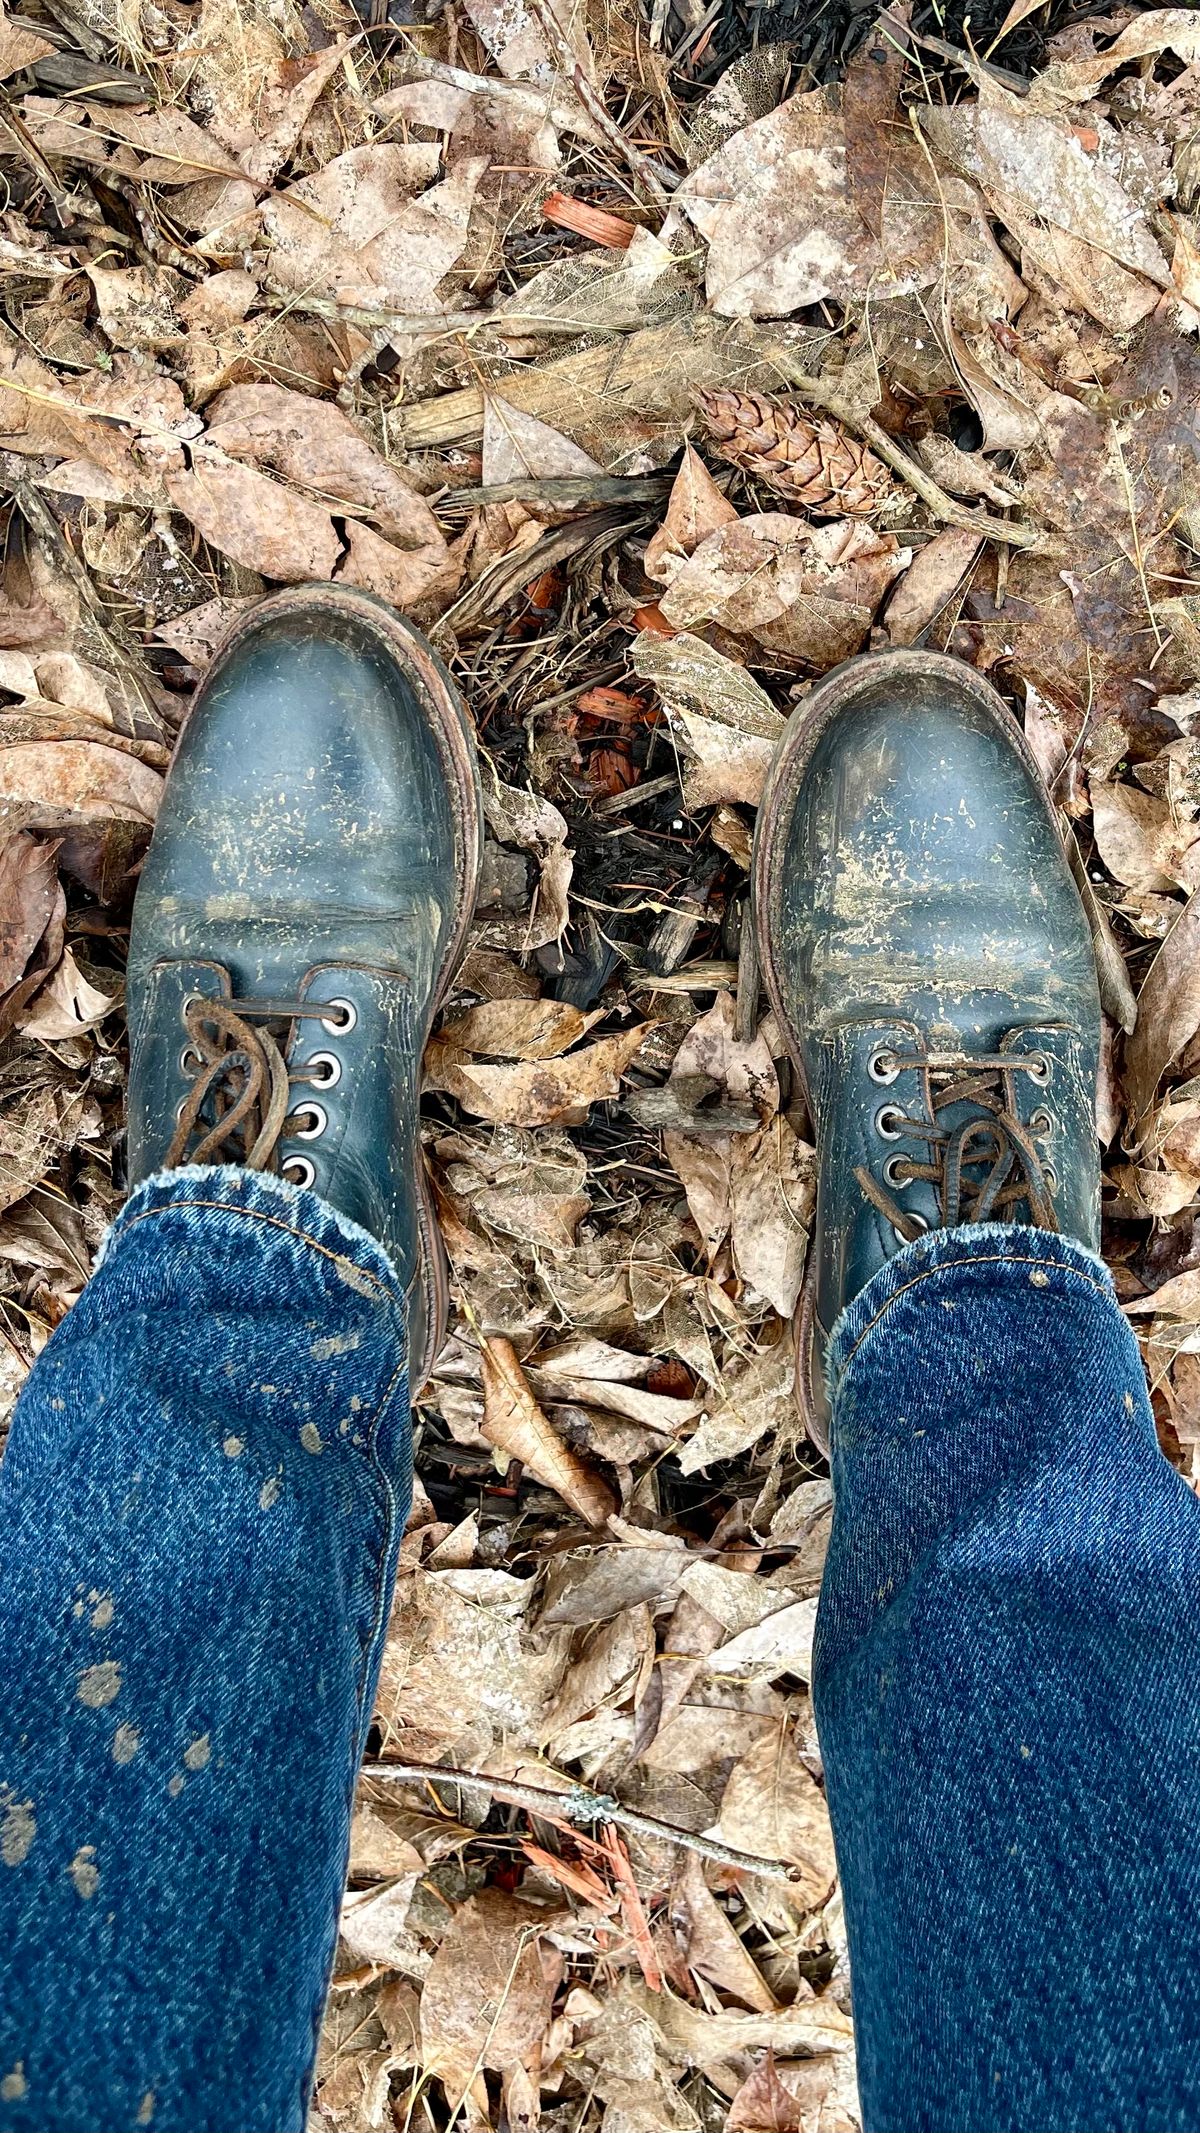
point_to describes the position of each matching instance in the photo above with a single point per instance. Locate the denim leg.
(206, 1477)
(1007, 1686)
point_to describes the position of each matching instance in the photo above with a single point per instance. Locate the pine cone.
(810, 459)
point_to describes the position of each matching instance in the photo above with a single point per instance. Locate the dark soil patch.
(825, 33)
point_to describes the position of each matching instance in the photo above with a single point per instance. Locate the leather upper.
(307, 848)
(924, 908)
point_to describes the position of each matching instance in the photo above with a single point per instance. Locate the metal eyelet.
(1041, 1123)
(298, 1170)
(347, 1017)
(310, 1133)
(1051, 1176)
(193, 999)
(899, 1235)
(1042, 1071)
(881, 1066)
(890, 1171)
(332, 1074)
(190, 1061)
(885, 1131)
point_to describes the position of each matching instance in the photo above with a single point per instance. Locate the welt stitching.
(1063, 1266)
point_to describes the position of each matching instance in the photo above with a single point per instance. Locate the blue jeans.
(206, 1479)
(1007, 1686)
(207, 1475)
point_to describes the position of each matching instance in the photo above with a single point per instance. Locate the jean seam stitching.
(1063, 1266)
(253, 1214)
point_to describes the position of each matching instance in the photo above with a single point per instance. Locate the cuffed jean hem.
(976, 1255)
(224, 1188)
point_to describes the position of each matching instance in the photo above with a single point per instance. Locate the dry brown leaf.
(704, 1163)
(726, 724)
(511, 31)
(355, 231)
(60, 784)
(1158, 29)
(1168, 1010)
(42, 413)
(759, 1394)
(514, 1423)
(67, 1005)
(460, 1666)
(546, 1093)
(763, 2104)
(708, 1943)
(257, 522)
(487, 1998)
(312, 443)
(1141, 840)
(421, 581)
(196, 634)
(519, 447)
(280, 107)
(805, 591)
(772, 1193)
(695, 508)
(930, 582)
(19, 48)
(780, 1644)
(29, 894)
(1037, 167)
(772, 1806)
(519, 1029)
(785, 230)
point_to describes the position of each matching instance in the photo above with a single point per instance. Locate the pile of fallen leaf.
(649, 404)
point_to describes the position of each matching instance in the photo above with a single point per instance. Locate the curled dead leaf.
(514, 1423)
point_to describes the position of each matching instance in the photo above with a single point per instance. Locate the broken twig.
(580, 1804)
(931, 492)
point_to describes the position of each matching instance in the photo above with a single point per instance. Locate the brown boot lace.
(982, 1170)
(243, 1079)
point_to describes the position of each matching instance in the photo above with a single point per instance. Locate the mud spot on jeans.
(14, 2084)
(233, 1447)
(99, 1685)
(197, 1753)
(1039, 1279)
(1025, 1752)
(18, 1828)
(102, 1612)
(175, 1785)
(1130, 1404)
(356, 1405)
(354, 1277)
(126, 1742)
(310, 1438)
(269, 1492)
(146, 2108)
(84, 1871)
(337, 1344)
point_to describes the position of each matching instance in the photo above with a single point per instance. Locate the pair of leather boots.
(312, 877)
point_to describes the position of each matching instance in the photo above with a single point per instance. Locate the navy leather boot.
(303, 906)
(927, 955)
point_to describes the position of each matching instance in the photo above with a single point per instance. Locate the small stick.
(581, 1804)
(565, 491)
(930, 491)
(596, 109)
(749, 983)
